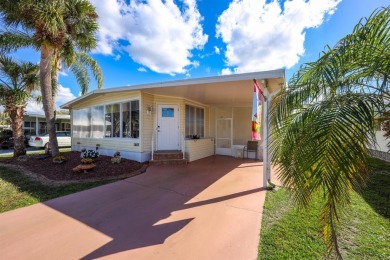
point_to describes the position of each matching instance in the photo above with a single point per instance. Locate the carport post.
(265, 137)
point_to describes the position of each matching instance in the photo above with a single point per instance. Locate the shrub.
(59, 158)
(5, 135)
(116, 160)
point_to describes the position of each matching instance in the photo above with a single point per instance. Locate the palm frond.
(87, 61)
(82, 76)
(323, 123)
(14, 39)
(81, 20)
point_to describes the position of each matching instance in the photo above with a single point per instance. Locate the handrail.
(153, 134)
(183, 146)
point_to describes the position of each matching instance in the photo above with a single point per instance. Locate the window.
(65, 126)
(76, 123)
(82, 123)
(42, 128)
(194, 121)
(97, 122)
(168, 112)
(29, 129)
(130, 119)
(110, 121)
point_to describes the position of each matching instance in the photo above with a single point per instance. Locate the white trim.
(231, 136)
(36, 125)
(111, 103)
(140, 123)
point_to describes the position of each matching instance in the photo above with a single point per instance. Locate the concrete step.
(168, 162)
(167, 155)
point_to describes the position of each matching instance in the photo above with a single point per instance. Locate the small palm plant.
(17, 81)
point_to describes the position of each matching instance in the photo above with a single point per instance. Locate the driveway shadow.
(129, 211)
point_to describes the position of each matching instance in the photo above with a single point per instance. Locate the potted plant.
(116, 158)
(87, 158)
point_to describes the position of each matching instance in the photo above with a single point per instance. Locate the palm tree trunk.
(16, 114)
(45, 67)
(54, 79)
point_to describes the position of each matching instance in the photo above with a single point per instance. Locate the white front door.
(223, 140)
(168, 127)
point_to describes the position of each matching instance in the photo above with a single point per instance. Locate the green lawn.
(289, 233)
(37, 151)
(18, 190)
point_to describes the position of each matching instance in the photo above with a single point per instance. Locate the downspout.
(266, 160)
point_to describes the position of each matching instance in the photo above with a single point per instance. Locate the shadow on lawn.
(377, 192)
(39, 191)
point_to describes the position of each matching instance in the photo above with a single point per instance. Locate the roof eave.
(279, 73)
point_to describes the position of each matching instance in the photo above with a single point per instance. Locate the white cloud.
(217, 50)
(117, 57)
(259, 35)
(160, 34)
(64, 95)
(63, 73)
(141, 69)
(227, 71)
(34, 108)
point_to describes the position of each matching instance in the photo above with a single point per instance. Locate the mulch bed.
(42, 165)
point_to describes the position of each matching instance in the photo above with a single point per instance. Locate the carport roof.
(218, 90)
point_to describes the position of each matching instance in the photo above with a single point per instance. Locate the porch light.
(149, 110)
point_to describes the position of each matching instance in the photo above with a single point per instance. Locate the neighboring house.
(137, 120)
(381, 150)
(35, 124)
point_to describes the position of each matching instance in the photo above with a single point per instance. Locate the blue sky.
(151, 41)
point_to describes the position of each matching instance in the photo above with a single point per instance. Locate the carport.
(209, 209)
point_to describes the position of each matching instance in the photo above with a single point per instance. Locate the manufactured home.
(201, 117)
(35, 124)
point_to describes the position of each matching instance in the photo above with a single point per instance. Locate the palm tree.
(57, 26)
(323, 121)
(17, 81)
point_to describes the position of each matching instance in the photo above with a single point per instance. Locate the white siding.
(116, 144)
(147, 122)
(382, 141)
(199, 148)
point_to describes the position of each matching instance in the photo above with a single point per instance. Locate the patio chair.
(251, 146)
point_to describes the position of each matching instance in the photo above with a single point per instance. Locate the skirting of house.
(380, 155)
(135, 156)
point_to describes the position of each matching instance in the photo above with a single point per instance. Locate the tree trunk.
(54, 79)
(16, 114)
(45, 67)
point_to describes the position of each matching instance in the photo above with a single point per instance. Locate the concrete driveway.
(209, 209)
